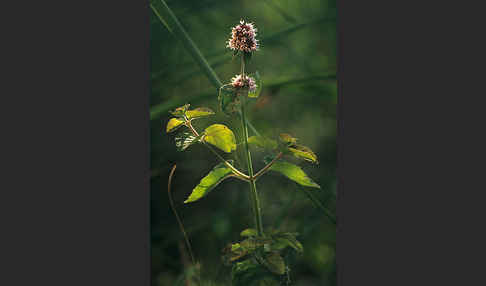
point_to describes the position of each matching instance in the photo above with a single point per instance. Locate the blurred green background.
(297, 63)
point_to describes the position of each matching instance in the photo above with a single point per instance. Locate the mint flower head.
(243, 38)
(248, 82)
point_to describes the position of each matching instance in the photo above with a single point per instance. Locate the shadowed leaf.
(199, 112)
(262, 142)
(184, 140)
(288, 239)
(228, 101)
(275, 263)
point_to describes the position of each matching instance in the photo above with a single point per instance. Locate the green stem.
(253, 191)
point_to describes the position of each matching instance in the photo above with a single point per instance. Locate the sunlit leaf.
(303, 152)
(209, 182)
(220, 136)
(174, 124)
(293, 172)
(275, 263)
(249, 232)
(259, 83)
(199, 112)
(185, 139)
(179, 111)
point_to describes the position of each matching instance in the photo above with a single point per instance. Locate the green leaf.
(288, 239)
(275, 263)
(180, 111)
(209, 182)
(233, 252)
(303, 152)
(259, 83)
(228, 100)
(293, 172)
(252, 243)
(186, 139)
(262, 142)
(199, 112)
(288, 139)
(249, 232)
(220, 136)
(243, 266)
(174, 124)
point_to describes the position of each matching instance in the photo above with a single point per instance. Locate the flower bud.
(239, 82)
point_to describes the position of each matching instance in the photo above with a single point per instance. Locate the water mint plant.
(258, 257)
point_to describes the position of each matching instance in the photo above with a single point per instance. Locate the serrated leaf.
(220, 136)
(185, 139)
(262, 142)
(174, 124)
(275, 263)
(288, 139)
(199, 112)
(293, 172)
(249, 232)
(303, 152)
(179, 111)
(228, 100)
(259, 83)
(219, 173)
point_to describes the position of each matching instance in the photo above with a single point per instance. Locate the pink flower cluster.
(243, 38)
(239, 82)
